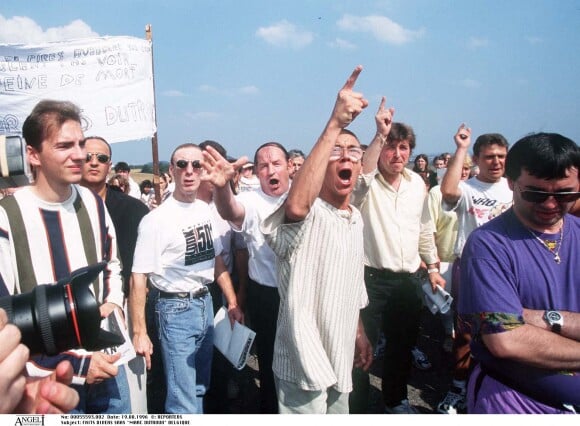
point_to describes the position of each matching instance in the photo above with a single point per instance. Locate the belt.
(389, 273)
(195, 294)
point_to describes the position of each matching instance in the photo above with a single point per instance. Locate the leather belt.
(195, 294)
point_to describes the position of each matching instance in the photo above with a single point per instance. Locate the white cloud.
(202, 115)
(285, 34)
(23, 30)
(340, 43)
(207, 88)
(470, 83)
(477, 42)
(381, 27)
(248, 90)
(173, 93)
(245, 90)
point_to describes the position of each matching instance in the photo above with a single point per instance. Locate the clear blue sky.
(247, 72)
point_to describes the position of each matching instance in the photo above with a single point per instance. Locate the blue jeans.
(108, 397)
(186, 337)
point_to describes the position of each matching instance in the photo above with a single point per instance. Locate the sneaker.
(420, 360)
(403, 408)
(453, 403)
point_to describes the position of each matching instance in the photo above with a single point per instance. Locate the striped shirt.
(321, 285)
(55, 239)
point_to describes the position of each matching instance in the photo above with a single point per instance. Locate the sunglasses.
(101, 158)
(541, 196)
(182, 164)
(353, 153)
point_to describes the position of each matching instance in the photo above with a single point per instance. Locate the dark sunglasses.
(541, 196)
(182, 164)
(101, 158)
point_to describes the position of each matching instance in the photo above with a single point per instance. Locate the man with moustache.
(317, 236)
(245, 212)
(180, 254)
(398, 236)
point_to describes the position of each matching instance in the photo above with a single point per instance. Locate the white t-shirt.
(177, 245)
(262, 261)
(479, 203)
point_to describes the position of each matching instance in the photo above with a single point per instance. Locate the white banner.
(109, 78)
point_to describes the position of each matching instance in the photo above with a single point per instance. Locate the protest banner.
(109, 78)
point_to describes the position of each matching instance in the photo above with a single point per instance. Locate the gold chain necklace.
(557, 245)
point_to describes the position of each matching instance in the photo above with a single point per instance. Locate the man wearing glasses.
(476, 201)
(317, 235)
(126, 212)
(179, 251)
(521, 291)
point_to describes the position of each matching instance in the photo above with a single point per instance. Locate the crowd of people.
(323, 255)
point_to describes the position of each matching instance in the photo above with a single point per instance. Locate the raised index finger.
(352, 79)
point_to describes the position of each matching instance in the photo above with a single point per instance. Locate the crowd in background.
(279, 242)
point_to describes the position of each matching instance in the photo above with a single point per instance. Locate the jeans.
(108, 397)
(395, 307)
(186, 337)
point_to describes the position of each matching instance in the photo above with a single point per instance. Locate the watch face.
(553, 316)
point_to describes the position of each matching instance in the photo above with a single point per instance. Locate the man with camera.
(53, 227)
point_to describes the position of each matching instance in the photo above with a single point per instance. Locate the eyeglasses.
(101, 158)
(541, 196)
(353, 153)
(182, 164)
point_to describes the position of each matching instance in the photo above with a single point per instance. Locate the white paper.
(115, 324)
(234, 343)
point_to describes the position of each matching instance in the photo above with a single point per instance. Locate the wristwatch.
(555, 320)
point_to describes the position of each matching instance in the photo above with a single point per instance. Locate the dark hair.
(215, 145)
(183, 145)
(47, 117)
(121, 166)
(274, 144)
(543, 155)
(488, 139)
(402, 132)
(102, 140)
(424, 157)
(145, 183)
(348, 132)
(294, 153)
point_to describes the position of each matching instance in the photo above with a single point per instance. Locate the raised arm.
(219, 172)
(383, 119)
(307, 184)
(450, 183)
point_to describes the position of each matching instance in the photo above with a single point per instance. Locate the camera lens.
(54, 318)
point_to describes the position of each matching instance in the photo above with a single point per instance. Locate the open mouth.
(345, 174)
(273, 181)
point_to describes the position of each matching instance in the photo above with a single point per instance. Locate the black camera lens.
(53, 318)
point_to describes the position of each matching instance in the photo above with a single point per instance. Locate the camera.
(54, 318)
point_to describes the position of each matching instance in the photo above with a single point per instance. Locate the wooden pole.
(155, 152)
